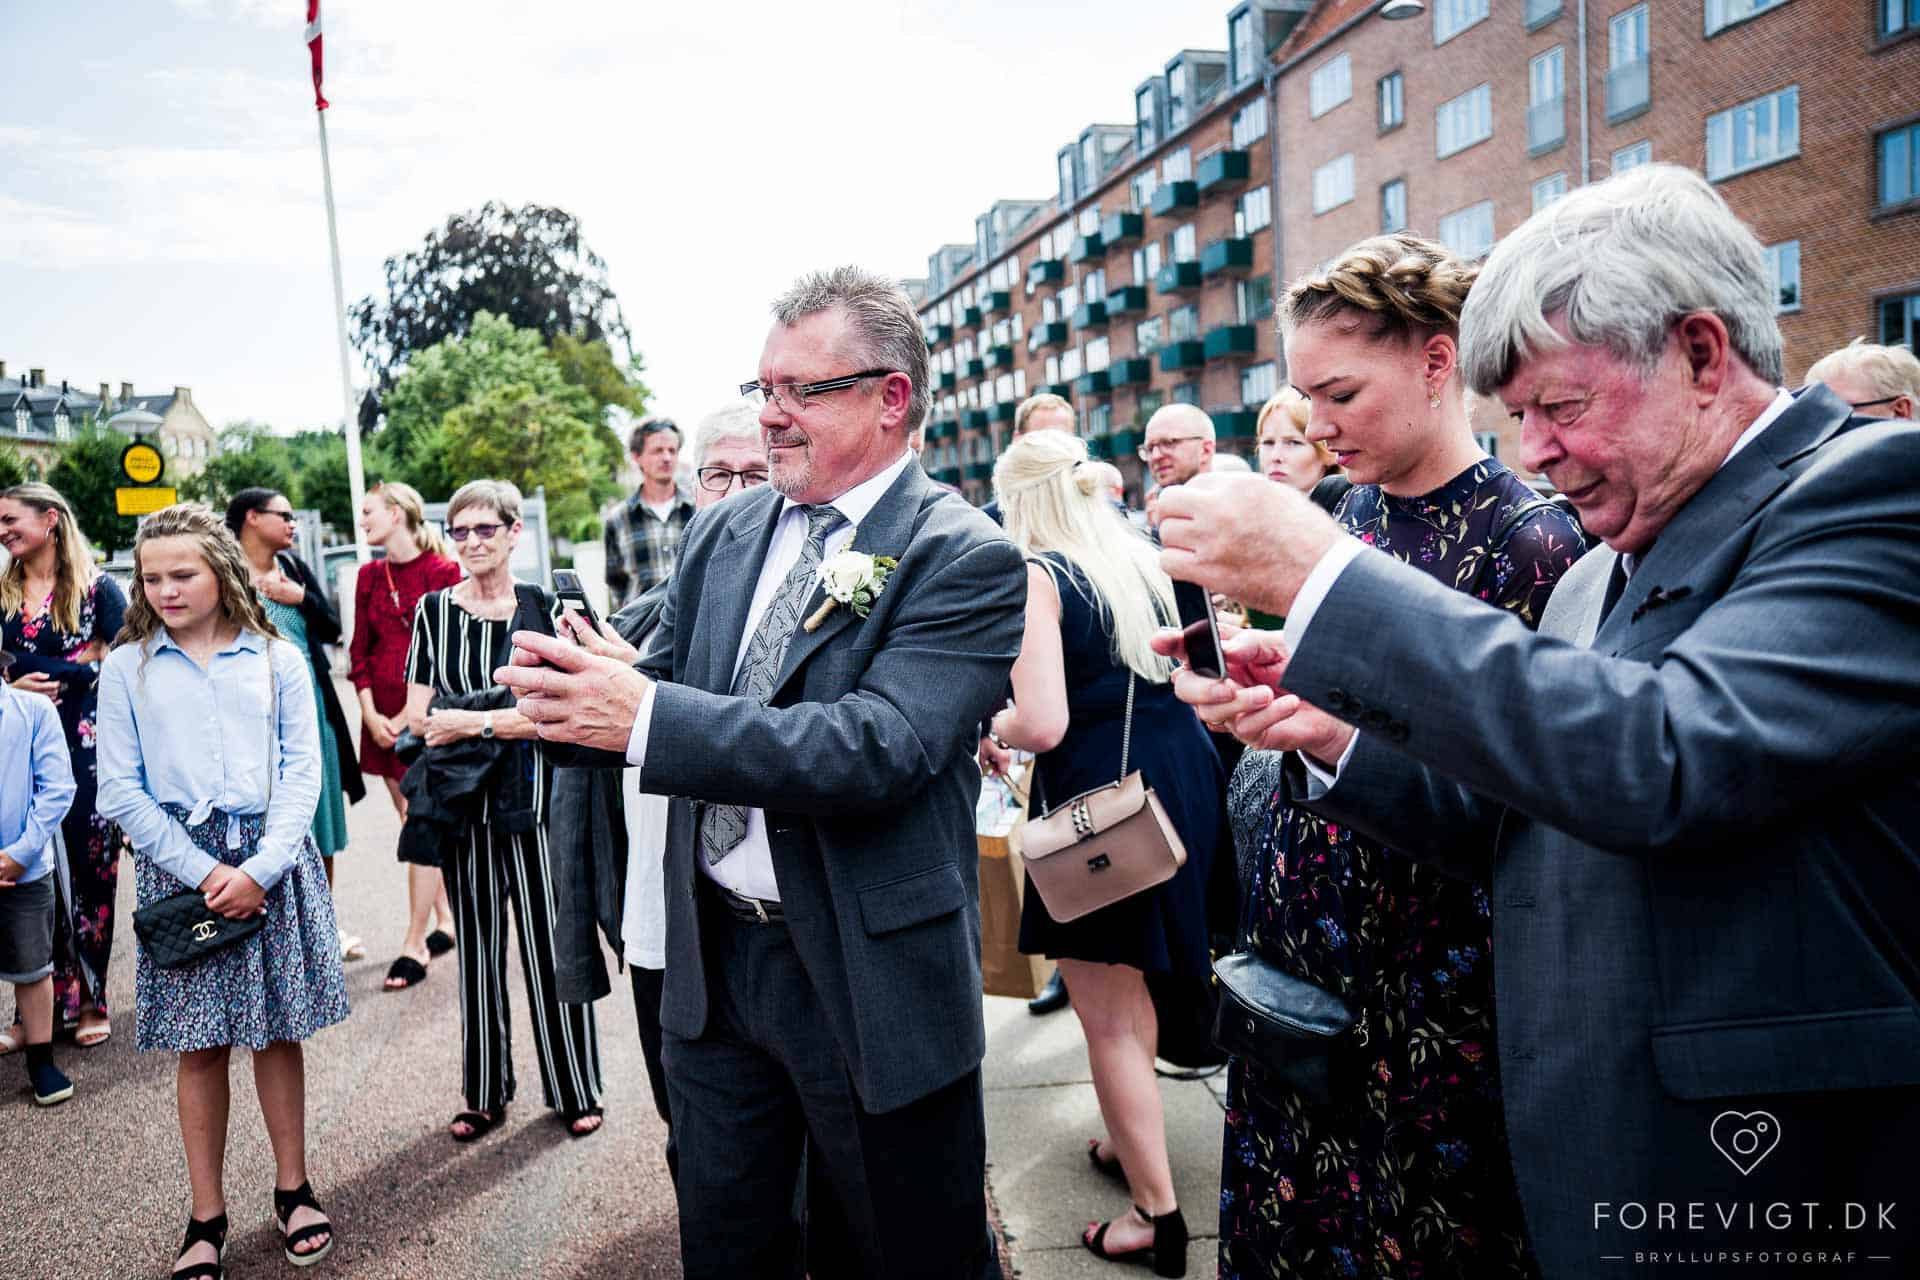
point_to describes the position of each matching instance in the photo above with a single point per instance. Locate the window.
(1898, 16)
(1254, 212)
(1069, 299)
(22, 419)
(1547, 100)
(1899, 165)
(1250, 122)
(1549, 189)
(1144, 184)
(1631, 157)
(1393, 206)
(1629, 89)
(1243, 42)
(1754, 133)
(1147, 335)
(1146, 262)
(1066, 178)
(1090, 221)
(1184, 249)
(62, 425)
(1146, 124)
(1186, 393)
(1090, 161)
(1097, 355)
(1176, 97)
(1451, 17)
(1254, 294)
(1333, 183)
(1463, 121)
(1391, 91)
(1020, 384)
(1178, 166)
(1070, 364)
(1330, 85)
(1148, 405)
(1469, 231)
(1183, 323)
(1099, 420)
(1093, 285)
(1900, 321)
(1724, 13)
(1053, 370)
(1783, 269)
(1258, 382)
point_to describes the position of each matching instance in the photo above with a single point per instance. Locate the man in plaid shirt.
(643, 532)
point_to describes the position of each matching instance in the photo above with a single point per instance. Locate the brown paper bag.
(1003, 970)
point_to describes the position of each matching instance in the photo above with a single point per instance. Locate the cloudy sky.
(161, 219)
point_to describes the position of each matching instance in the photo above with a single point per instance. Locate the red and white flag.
(313, 47)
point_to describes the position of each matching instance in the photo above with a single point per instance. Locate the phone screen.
(1197, 630)
(566, 585)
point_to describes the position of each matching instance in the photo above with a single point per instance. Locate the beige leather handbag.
(1103, 845)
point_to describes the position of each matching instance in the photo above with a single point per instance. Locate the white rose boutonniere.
(851, 578)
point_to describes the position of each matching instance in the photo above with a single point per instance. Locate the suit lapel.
(1727, 501)
(884, 532)
(727, 591)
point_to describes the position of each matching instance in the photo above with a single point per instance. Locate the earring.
(1434, 403)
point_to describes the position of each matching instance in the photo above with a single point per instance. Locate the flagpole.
(356, 473)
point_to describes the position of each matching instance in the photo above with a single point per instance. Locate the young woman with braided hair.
(1403, 1171)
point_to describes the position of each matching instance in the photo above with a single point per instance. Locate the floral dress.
(83, 930)
(1405, 1173)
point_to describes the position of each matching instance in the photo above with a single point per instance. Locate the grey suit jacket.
(1703, 827)
(864, 763)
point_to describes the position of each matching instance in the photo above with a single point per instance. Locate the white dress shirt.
(748, 869)
(1326, 571)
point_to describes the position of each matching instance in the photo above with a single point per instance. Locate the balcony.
(969, 317)
(1540, 12)
(947, 475)
(975, 419)
(1230, 341)
(1124, 443)
(974, 368)
(1235, 424)
(946, 381)
(939, 333)
(943, 429)
(1230, 257)
(1221, 172)
(994, 301)
(1004, 411)
(1099, 447)
(1127, 300)
(1089, 315)
(979, 471)
(1092, 384)
(1087, 249)
(1062, 389)
(1000, 357)
(1046, 271)
(1628, 91)
(1176, 356)
(1049, 333)
(1122, 228)
(1169, 197)
(1178, 277)
(1134, 371)
(1546, 125)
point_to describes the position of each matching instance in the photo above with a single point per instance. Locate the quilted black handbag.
(179, 930)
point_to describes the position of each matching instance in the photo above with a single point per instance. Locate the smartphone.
(566, 585)
(1198, 630)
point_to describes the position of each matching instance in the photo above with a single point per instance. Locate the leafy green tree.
(86, 475)
(461, 369)
(589, 365)
(250, 457)
(13, 468)
(320, 474)
(535, 439)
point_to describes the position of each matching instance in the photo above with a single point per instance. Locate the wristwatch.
(486, 724)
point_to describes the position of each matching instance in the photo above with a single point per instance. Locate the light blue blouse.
(174, 733)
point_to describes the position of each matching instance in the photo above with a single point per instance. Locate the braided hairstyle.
(1397, 286)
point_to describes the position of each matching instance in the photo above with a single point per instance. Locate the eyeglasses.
(480, 531)
(1152, 447)
(1873, 404)
(269, 511)
(720, 479)
(792, 397)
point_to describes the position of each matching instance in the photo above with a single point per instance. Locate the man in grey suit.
(823, 931)
(1697, 789)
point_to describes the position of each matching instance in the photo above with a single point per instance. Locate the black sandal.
(1167, 1255)
(405, 972)
(214, 1232)
(284, 1203)
(439, 942)
(573, 1118)
(479, 1124)
(1108, 1167)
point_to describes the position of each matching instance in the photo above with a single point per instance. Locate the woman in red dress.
(384, 600)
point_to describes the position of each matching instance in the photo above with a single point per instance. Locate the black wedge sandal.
(284, 1203)
(214, 1232)
(1167, 1255)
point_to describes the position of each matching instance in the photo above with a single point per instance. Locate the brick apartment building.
(1150, 276)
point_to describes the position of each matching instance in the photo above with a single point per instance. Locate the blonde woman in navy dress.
(210, 762)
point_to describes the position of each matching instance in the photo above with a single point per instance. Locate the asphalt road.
(98, 1187)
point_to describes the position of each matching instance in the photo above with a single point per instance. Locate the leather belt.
(741, 907)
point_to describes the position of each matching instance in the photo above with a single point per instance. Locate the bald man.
(1178, 444)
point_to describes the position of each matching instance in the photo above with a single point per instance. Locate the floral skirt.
(283, 983)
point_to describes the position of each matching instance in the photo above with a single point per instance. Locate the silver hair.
(1619, 262)
(502, 495)
(737, 421)
(881, 315)
(1890, 371)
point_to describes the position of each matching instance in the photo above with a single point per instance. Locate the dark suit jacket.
(864, 763)
(1703, 830)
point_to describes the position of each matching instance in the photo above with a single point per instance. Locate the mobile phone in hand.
(1198, 631)
(572, 595)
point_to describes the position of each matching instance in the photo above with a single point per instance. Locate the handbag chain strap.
(1126, 729)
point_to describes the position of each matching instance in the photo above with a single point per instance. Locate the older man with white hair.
(1693, 791)
(1875, 381)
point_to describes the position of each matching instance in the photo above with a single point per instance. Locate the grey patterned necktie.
(724, 826)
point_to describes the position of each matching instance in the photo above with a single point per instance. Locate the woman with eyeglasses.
(492, 836)
(262, 519)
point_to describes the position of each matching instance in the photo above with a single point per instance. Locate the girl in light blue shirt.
(209, 760)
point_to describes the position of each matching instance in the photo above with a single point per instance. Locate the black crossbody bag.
(180, 929)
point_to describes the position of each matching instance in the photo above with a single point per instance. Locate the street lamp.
(1393, 10)
(135, 422)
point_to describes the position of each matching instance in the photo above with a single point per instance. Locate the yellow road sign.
(144, 500)
(140, 462)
